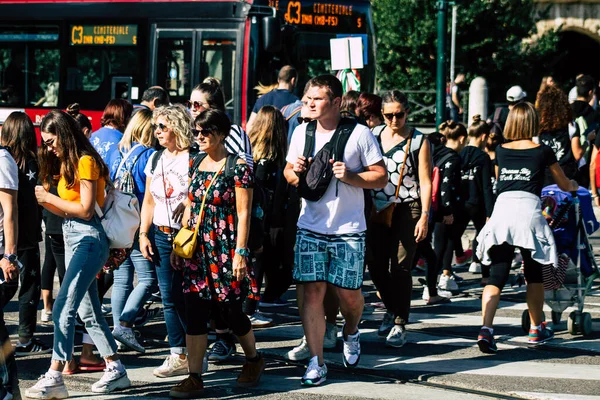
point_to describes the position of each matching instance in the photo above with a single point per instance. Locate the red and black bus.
(57, 52)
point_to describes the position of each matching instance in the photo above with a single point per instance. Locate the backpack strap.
(196, 163)
(294, 113)
(125, 157)
(155, 159)
(443, 160)
(343, 132)
(309, 140)
(230, 165)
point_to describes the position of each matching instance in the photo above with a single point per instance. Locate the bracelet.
(425, 212)
(595, 196)
(143, 234)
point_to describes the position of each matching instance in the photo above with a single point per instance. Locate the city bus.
(57, 52)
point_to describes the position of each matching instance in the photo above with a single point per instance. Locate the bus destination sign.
(103, 35)
(347, 18)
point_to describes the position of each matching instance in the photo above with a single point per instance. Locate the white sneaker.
(386, 324)
(315, 374)
(112, 380)
(173, 366)
(330, 339)
(46, 316)
(127, 337)
(396, 337)
(260, 321)
(425, 293)
(444, 293)
(351, 355)
(300, 352)
(475, 268)
(447, 283)
(48, 387)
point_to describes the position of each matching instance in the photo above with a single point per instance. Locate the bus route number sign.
(103, 35)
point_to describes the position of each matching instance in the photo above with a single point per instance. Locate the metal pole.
(440, 103)
(453, 45)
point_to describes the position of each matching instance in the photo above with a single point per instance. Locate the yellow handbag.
(185, 241)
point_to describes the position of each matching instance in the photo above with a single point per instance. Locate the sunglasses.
(49, 142)
(391, 116)
(195, 105)
(304, 119)
(203, 132)
(160, 126)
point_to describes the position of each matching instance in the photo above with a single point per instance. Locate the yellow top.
(88, 171)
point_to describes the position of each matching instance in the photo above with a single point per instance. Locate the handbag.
(185, 241)
(120, 217)
(385, 215)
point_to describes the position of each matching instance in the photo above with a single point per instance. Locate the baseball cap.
(515, 94)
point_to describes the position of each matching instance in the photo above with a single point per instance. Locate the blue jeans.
(170, 284)
(126, 300)
(86, 251)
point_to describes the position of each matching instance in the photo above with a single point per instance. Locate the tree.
(492, 41)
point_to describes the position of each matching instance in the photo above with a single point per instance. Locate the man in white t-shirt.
(330, 243)
(9, 183)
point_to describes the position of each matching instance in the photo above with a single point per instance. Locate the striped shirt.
(238, 142)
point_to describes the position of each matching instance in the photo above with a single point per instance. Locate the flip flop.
(66, 371)
(92, 367)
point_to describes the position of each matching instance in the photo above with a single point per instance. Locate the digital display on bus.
(103, 35)
(344, 17)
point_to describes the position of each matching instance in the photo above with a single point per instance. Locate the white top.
(9, 179)
(170, 188)
(344, 213)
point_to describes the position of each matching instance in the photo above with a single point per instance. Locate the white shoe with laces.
(447, 283)
(315, 374)
(260, 321)
(396, 337)
(351, 351)
(46, 316)
(300, 352)
(112, 380)
(172, 366)
(48, 387)
(475, 268)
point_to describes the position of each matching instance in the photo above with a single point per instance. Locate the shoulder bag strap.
(201, 214)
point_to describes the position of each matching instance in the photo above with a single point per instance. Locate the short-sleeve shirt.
(277, 98)
(341, 212)
(523, 169)
(106, 142)
(168, 186)
(9, 180)
(560, 143)
(87, 170)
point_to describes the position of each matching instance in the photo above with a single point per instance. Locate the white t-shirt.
(170, 188)
(342, 213)
(9, 179)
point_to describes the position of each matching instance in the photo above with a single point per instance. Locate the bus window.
(218, 60)
(174, 67)
(43, 84)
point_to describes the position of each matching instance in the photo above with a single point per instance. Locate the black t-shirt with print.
(560, 143)
(523, 169)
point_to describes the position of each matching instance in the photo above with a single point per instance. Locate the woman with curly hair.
(557, 132)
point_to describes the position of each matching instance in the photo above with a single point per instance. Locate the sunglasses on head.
(304, 119)
(194, 105)
(398, 115)
(160, 126)
(203, 132)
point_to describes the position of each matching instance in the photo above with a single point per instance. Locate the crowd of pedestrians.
(322, 188)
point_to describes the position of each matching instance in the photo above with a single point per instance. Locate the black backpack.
(259, 198)
(314, 183)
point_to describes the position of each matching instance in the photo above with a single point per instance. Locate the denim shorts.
(336, 259)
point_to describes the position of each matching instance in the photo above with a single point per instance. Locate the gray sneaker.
(300, 352)
(396, 337)
(48, 387)
(127, 337)
(330, 339)
(387, 324)
(112, 380)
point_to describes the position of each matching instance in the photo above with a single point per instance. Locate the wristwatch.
(242, 252)
(12, 258)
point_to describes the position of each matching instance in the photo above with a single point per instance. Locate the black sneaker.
(35, 346)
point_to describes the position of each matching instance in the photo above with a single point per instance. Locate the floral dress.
(211, 266)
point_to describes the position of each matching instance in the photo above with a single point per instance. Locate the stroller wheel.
(586, 324)
(556, 315)
(572, 323)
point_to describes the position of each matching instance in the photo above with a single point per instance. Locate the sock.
(489, 329)
(117, 364)
(54, 374)
(254, 359)
(196, 375)
(538, 327)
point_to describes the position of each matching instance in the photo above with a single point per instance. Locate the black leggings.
(54, 261)
(477, 215)
(502, 256)
(198, 313)
(445, 238)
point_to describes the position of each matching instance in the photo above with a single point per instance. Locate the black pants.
(444, 242)
(199, 311)
(104, 283)
(475, 214)
(54, 261)
(502, 256)
(8, 366)
(425, 250)
(29, 292)
(391, 254)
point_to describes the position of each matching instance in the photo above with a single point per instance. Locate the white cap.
(515, 94)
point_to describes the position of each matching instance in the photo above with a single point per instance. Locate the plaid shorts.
(337, 259)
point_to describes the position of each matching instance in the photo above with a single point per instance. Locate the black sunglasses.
(160, 126)
(398, 115)
(203, 132)
(194, 105)
(304, 119)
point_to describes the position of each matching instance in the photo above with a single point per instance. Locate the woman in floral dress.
(218, 275)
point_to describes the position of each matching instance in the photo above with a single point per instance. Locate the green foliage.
(490, 42)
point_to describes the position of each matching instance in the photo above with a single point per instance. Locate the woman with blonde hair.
(269, 146)
(517, 222)
(136, 148)
(166, 189)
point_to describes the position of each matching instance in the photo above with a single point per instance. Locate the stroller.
(572, 220)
